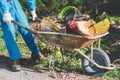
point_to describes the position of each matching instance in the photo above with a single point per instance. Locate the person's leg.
(9, 37)
(10, 40)
(27, 36)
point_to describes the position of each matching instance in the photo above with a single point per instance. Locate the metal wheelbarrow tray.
(67, 40)
(93, 62)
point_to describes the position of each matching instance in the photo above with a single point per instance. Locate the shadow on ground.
(28, 68)
(24, 62)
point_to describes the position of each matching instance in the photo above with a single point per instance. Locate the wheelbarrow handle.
(20, 25)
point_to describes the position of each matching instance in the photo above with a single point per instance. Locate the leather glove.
(34, 15)
(7, 17)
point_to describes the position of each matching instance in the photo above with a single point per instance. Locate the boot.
(15, 65)
(36, 58)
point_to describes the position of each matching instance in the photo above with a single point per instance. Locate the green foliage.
(70, 64)
(2, 43)
(24, 4)
(46, 6)
(78, 2)
(103, 45)
(113, 74)
(40, 7)
(115, 18)
(102, 16)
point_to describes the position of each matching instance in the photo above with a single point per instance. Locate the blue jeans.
(9, 31)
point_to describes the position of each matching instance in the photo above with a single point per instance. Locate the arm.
(5, 9)
(4, 6)
(31, 5)
(32, 8)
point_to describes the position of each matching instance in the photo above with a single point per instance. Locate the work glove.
(34, 15)
(7, 17)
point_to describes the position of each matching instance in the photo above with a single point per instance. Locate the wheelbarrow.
(93, 62)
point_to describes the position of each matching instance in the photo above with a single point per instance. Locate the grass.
(114, 74)
(2, 44)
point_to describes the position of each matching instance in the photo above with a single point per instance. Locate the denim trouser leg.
(9, 35)
(27, 36)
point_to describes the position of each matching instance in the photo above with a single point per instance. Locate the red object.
(73, 24)
(38, 27)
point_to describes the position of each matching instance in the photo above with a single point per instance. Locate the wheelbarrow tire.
(100, 57)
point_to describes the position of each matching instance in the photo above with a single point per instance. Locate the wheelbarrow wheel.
(100, 57)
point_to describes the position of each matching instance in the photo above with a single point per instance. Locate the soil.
(30, 72)
(114, 39)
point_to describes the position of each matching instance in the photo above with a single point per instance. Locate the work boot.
(36, 58)
(15, 65)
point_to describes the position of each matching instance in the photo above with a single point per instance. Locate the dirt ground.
(29, 72)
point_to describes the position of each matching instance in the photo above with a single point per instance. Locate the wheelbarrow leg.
(52, 58)
(62, 53)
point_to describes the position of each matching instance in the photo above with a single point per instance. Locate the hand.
(34, 15)
(7, 17)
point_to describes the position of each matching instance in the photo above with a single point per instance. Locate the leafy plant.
(113, 74)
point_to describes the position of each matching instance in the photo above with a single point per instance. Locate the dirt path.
(25, 74)
(29, 73)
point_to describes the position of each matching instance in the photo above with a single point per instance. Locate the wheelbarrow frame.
(70, 41)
